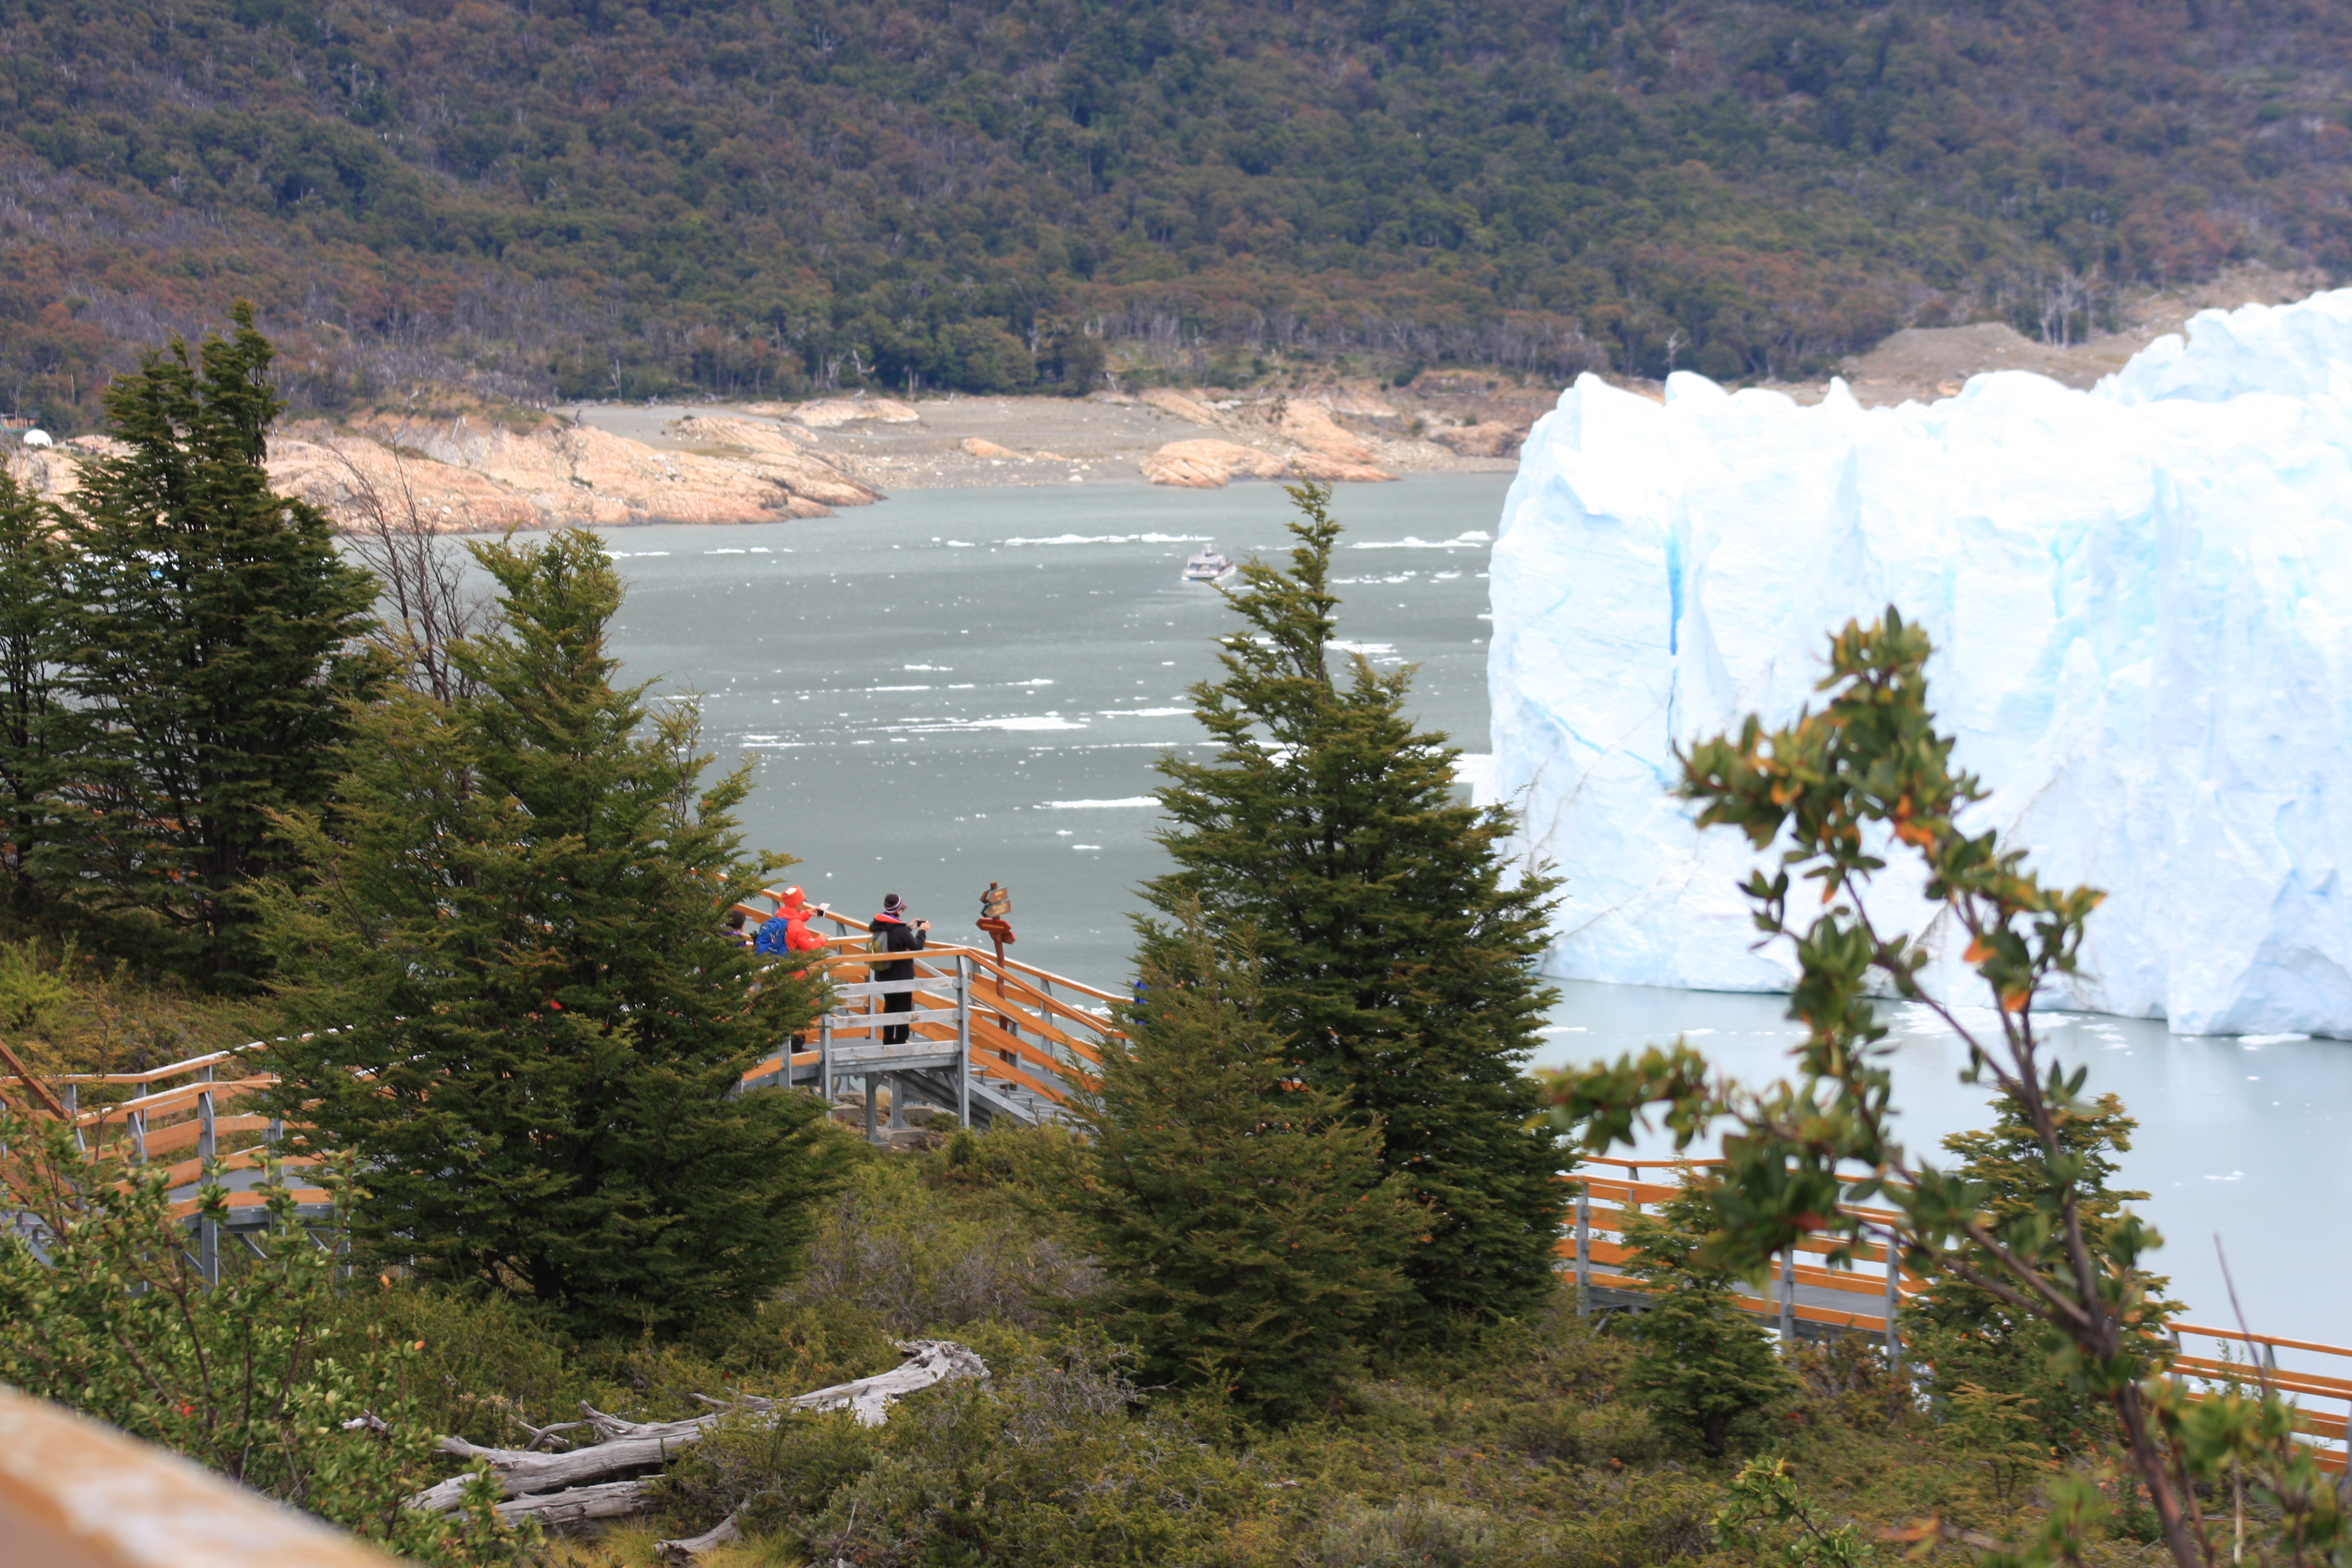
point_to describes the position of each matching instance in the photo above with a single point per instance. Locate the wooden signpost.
(997, 903)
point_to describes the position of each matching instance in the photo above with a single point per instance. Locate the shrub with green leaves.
(926, 1256)
(1768, 1518)
(118, 1324)
(1838, 793)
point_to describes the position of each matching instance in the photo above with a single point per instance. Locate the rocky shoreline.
(480, 467)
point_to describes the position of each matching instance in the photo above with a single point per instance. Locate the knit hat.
(789, 898)
(892, 904)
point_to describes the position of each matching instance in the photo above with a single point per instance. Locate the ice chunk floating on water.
(2142, 600)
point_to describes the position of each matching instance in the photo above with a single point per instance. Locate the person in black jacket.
(892, 934)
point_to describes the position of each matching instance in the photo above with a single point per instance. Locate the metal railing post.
(1583, 1253)
(824, 1061)
(873, 1084)
(73, 1114)
(963, 1041)
(1894, 1305)
(207, 1149)
(136, 1125)
(1788, 1297)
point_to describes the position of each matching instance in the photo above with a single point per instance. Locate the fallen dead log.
(610, 1500)
(519, 1472)
(724, 1534)
(932, 1361)
(551, 1484)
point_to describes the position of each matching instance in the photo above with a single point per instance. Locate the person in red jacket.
(787, 930)
(797, 913)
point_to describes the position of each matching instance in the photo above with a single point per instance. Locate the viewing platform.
(989, 1039)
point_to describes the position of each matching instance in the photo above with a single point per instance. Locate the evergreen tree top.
(222, 402)
(1397, 946)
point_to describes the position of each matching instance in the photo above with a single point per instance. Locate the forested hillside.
(609, 198)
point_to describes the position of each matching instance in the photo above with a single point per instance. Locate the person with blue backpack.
(787, 930)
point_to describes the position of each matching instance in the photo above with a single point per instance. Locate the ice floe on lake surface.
(2142, 600)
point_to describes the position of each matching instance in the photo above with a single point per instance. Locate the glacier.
(2141, 598)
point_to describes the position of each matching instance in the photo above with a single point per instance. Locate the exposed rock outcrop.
(1311, 425)
(782, 455)
(1209, 465)
(1292, 436)
(1489, 440)
(830, 413)
(577, 474)
(473, 474)
(352, 478)
(50, 472)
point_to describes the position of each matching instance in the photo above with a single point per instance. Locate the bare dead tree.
(428, 601)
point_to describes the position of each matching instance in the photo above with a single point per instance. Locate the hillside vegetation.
(601, 198)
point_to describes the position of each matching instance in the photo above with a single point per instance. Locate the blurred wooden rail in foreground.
(76, 1493)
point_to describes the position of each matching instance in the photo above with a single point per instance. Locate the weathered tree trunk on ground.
(576, 1486)
(723, 1533)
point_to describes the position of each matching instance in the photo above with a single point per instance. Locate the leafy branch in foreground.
(1865, 776)
(1765, 1493)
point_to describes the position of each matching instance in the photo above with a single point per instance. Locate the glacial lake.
(961, 685)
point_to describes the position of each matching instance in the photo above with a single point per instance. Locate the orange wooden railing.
(1609, 1191)
(1027, 1028)
(1033, 1030)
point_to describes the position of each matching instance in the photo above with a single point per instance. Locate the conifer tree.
(1967, 1334)
(30, 558)
(1398, 956)
(530, 1027)
(1241, 1214)
(1704, 1367)
(206, 635)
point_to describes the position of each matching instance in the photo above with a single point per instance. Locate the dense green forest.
(618, 198)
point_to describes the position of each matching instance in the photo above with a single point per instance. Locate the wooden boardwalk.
(988, 1037)
(989, 1040)
(1807, 1300)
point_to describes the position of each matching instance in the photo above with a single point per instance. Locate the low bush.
(240, 1375)
(926, 1255)
(1702, 1365)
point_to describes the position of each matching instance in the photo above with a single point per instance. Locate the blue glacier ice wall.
(2142, 600)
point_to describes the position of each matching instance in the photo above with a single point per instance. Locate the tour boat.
(1208, 567)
